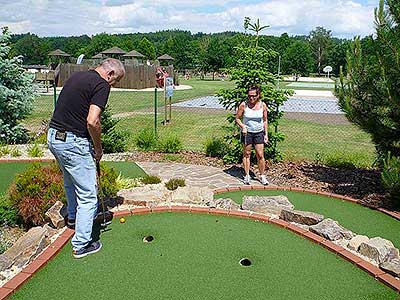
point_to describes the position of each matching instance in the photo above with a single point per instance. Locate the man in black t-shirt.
(74, 125)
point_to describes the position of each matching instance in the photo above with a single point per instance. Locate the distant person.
(74, 127)
(254, 131)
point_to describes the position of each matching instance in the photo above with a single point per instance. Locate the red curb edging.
(54, 248)
(121, 213)
(4, 292)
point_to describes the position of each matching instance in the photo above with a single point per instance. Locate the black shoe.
(89, 249)
(70, 223)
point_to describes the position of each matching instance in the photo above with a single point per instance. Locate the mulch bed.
(362, 184)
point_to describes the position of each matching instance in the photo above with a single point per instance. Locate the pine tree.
(17, 93)
(370, 95)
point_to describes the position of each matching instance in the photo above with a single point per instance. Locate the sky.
(296, 17)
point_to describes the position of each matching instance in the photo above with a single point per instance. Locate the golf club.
(106, 220)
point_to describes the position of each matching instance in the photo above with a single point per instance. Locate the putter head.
(104, 218)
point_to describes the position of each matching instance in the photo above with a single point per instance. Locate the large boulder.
(355, 242)
(266, 204)
(331, 230)
(25, 248)
(144, 194)
(300, 217)
(57, 214)
(223, 203)
(193, 195)
(379, 249)
(391, 267)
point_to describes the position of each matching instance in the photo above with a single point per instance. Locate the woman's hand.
(266, 139)
(244, 130)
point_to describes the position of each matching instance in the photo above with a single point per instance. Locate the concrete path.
(195, 175)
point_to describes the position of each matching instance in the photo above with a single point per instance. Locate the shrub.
(16, 96)
(170, 144)
(5, 150)
(8, 214)
(113, 140)
(146, 139)
(391, 178)
(123, 183)
(174, 183)
(216, 147)
(15, 152)
(35, 150)
(40, 186)
(150, 179)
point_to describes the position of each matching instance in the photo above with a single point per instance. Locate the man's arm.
(94, 128)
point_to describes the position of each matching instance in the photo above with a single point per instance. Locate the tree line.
(204, 52)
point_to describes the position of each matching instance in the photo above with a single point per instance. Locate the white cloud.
(58, 17)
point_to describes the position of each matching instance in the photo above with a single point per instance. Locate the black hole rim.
(245, 262)
(148, 239)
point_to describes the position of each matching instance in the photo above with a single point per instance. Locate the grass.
(359, 219)
(305, 140)
(197, 257)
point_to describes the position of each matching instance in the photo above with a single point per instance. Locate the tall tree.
(256, 27)
(147, 49)
(370, 94)
(16, 94)
(297, 59)
(32, 49)
(320, 40)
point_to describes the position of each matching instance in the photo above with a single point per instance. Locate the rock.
(5, 262)
(392, 267)
(195, 195)
(355, 242)
(224, 203)
(50, 232)
(301, 217)
(379, 249)
(57, 214)
(144, 194)
(26, 248)
(266, 204)
(331, 230)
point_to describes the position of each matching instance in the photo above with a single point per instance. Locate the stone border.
(13, 284)
(392, 214)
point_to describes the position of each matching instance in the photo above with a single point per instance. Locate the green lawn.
(360, 219)
(197, 257)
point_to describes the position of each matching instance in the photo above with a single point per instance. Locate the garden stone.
(142, 195)
(300, 217)
(392, 267)
(379, 249)
(5, 262)
(195, 195)
(224, 203)
(27, 247)
(57, 214)
(331, 230)
(266, 204)
(355, 242)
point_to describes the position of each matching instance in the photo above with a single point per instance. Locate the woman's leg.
(246, 159)
(260, 158)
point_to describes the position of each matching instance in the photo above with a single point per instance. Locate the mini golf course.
(197, 256)
(171, 255)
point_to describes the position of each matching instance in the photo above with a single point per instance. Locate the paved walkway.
(195, 175)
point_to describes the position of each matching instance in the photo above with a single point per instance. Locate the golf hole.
(245, 262)
(148, 239)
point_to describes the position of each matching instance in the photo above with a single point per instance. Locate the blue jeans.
(75, 157)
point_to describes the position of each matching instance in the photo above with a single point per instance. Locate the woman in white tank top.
(254, 128)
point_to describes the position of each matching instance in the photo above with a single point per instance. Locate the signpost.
(168, 93)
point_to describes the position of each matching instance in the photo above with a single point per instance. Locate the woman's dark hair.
(254, 88)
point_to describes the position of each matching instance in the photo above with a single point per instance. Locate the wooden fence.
(136, 77)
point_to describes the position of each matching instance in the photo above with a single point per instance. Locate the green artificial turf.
(8, 171)
(126, 168)
(197, 257)
(359, 219)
